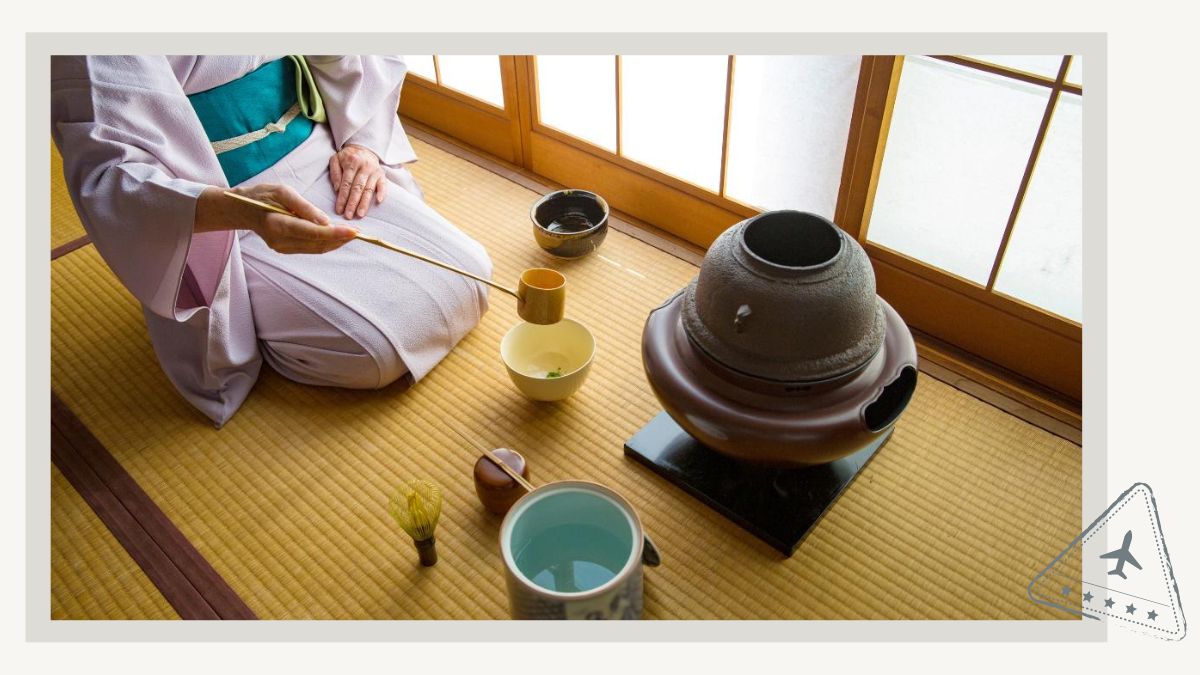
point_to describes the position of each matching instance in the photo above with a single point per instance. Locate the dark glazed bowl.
(570, 223)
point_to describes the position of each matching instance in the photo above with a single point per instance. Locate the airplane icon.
(1122, 556)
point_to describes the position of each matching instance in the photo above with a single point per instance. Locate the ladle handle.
(378, 242)
(413, 254)
(650, 555)
(512, 473)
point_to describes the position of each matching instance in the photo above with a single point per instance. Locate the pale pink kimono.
(135, 160)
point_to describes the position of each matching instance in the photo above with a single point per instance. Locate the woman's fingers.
(296, 228)
(345, 189)
(295, 235)
(291, 200)
(358, 190)
(368, 195)
(381, 187)
(290, 246)
(335, 172)
(358, 180)
(310, 230)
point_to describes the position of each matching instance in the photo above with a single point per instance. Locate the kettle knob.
(743, 315)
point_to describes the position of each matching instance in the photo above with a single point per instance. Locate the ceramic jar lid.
(497, 490)
(785, 296)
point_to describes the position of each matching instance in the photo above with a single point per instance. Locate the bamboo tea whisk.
(415, 507)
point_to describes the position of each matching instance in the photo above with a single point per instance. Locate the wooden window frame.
(1000, 329)
(492, 129)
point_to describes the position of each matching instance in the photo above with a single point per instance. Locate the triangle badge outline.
(1170, 585)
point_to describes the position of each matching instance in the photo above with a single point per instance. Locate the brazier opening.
(892, 401)
(792, 239)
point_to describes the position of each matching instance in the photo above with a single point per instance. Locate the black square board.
(778, 506)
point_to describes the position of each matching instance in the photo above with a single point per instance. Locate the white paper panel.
(578, 95)
(1075, 71)
(957, 148)
(788, 130)
(1044, 261)
(421, 65)
(478, 76)
(674, 114)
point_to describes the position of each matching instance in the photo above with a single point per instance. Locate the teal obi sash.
(257, 119)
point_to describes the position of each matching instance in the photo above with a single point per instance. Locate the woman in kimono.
(150, 144)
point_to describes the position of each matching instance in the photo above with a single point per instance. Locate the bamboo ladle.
(650, 554)
(541, 292)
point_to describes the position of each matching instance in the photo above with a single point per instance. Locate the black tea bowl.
(570, 223)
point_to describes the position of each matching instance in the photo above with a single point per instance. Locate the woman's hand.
(309, 232)
(358, 179)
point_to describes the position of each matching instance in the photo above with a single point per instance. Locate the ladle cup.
(541, 292)
(541, 295)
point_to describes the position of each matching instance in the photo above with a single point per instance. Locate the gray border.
(1093, 46)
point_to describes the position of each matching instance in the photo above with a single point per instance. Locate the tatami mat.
(64, 222)
(951, 520)
(92, 577)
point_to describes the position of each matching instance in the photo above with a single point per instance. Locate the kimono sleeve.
(362, 95)
(132, 148)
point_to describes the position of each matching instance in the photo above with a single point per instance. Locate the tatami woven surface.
(91, 576)
(951, 520)
(64, 222)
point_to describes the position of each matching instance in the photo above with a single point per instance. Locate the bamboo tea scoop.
(541, 293)
(650, 555)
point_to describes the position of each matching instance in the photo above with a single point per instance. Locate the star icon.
(1108, 602)
(1130, 609)
(1152, 615)
(1087, 597)
(1066, 590)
